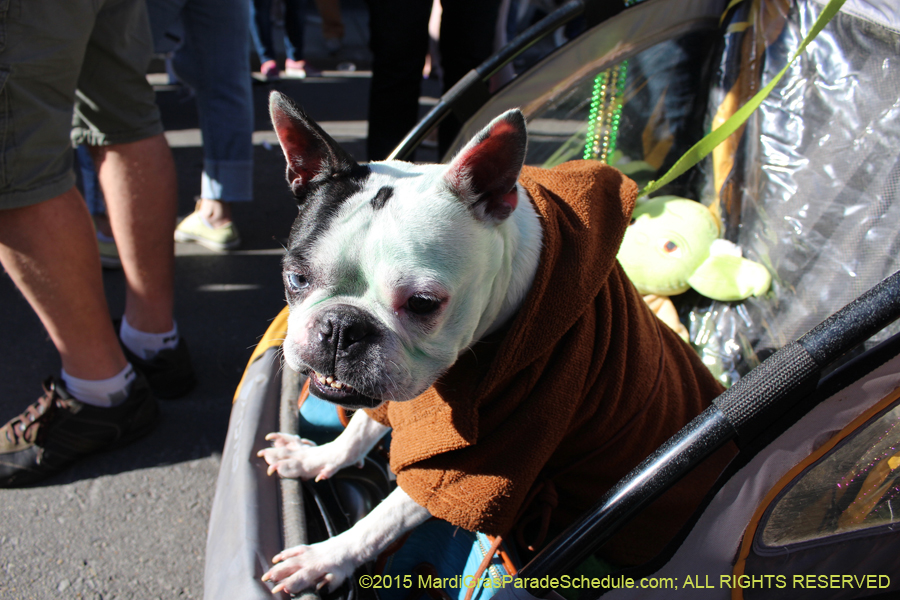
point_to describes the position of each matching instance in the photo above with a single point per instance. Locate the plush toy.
(673, 245)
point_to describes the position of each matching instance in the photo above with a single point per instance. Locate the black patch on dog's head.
(381, 198)
(322, 202)
(313, 158)
(321, 175)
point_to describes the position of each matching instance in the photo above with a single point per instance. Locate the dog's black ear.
(312, 155)
(484, 173)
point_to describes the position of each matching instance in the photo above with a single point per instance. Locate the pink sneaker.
(269, 69)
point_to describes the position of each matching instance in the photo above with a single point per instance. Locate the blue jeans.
(261, 30)
(90, 183)
(214, 61)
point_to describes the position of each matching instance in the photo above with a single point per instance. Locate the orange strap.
(507, 560)
(304, 394)
(488, 557)
(343, 416)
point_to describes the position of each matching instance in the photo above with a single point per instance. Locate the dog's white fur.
(332, 561)
(484, 285)
(486, 290)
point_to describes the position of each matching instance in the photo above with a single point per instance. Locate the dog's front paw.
(305, 567)
(295, 457)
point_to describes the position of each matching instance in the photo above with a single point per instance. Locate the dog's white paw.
(316, 566)
(295, 457)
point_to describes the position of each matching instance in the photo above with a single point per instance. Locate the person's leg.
(332, 24)
(261, 36)
(47, 243)
(139, 182)
(294, 35)
(214, 62)
(117, 117)
(467, 40)
(467, 36)
(50, 252)
(398, 31)
(294, 28)
(167, 25)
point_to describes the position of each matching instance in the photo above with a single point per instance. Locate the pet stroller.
(807, 186)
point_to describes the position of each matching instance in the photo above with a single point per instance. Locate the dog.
(408, 287)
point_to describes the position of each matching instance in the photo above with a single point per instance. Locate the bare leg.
(216, 212)
(50, 251)
(140, 186)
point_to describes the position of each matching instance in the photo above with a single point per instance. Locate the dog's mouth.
(327, 387)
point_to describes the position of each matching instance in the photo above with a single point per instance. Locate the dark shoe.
(169, 373)
(57, 430)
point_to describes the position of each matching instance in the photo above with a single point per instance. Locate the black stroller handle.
(740, 413)
(749, 404)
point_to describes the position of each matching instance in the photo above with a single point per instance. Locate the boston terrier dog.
(399, 275)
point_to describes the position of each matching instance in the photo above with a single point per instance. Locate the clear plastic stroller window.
(854, 487)
(638, 115)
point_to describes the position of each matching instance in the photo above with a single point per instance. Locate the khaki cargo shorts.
(71, 71)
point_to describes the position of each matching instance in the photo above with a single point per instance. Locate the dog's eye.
(422, 305)
(296, 281)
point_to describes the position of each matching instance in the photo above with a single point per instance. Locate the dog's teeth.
(330, 380)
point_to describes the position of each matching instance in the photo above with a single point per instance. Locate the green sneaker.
(194, 228)
(57, 430)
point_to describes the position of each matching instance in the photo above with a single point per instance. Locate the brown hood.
(583, 385)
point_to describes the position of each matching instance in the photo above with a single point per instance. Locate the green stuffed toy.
(673, 245)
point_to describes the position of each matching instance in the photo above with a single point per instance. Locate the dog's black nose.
(342, 327)
(355, 332)
(325, 329)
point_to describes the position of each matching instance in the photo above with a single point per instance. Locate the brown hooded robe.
(582, 385)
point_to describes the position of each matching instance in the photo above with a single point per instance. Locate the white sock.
(101, 392)
(147, 345)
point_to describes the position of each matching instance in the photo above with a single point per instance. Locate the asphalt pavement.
(132, 523)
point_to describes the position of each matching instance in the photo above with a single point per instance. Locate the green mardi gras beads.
(605, 113)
